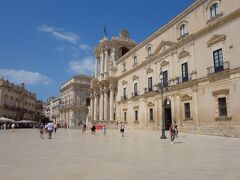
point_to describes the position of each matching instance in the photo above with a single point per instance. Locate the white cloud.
(84, 66)
(27, 77)
(59, 33)
(84, 47)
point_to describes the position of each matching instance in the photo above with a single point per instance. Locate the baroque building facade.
(52, 110)
(16, 102)
(75, 100)
(187, 72)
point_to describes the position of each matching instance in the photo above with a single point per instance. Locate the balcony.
(148, 90)
(123, 97)
(180, 80)
(135, 94)
(215, 69)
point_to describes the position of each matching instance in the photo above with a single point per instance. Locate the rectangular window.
(124, 66)
(136, 115)
(165, 78)
(150, 84)
(187, 110)
(222, 105)
(135, 89)
(124, 93)
(149, 51)
(125, 116)
(218, 60)
(151, 114)
(185, 72)
(135, 60)
(214, 10)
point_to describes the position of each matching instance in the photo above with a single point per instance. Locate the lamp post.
(161, 88)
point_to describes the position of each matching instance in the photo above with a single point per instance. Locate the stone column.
(96, 67)
(105, 104)
(95, 107)
(91, 113)
(111, 103)
(102, 65)
(101, 105)
(105, 63)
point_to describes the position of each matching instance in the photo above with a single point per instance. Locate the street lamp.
(162, 86)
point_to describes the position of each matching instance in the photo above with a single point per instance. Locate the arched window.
(214, 10)
(149, 50)
(183, 29)
(134, 60)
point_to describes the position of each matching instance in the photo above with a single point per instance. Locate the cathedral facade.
(187, 73)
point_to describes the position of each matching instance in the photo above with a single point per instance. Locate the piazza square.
(120, 90)
(72, 155)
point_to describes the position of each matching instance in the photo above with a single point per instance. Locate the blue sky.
(44, 43)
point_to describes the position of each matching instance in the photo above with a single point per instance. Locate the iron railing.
(215, 69)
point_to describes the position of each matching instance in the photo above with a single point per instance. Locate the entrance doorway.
(168, 118)
(167, 114)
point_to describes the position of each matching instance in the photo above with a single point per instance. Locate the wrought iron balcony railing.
(124, 97)
(134, 94)
(183, 79)
(221, 67)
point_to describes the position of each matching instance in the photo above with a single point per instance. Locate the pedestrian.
(172, 133)
(122, 128)
(13, 128)
(55, 128)
(4, 126)
(41, 129)
(50, 128)
(104, 130)
(93, 129)
(84, 128)
(176, 134)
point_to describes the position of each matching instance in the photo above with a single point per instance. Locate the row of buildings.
(71, 107)
(18, 103)
(186, 72)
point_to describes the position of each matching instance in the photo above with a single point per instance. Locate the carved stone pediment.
(221, 92)
(164, 45)
(135, 77)
(216, 39)
(124, 82)
(164, 63)
(150, 104)
(186, 97)
(135, 107)
(183, 54)
(149, 70)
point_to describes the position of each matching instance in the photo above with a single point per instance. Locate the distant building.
(75, 97)
(51, 109)
(16, 102)
(39, 115)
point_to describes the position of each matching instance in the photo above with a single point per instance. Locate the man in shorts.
(50, 128)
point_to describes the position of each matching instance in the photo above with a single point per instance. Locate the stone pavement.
(141, 155)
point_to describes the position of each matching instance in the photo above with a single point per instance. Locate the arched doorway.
(167, 113)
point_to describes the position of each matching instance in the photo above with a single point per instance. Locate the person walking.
(172, 133)
(93, 129)
(122, 128)
(55, 128)
(104, 130)
(41, 129)
(176, 133)
(50, 128)
(13, 128)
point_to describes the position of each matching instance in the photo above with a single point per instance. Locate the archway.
(167, 113)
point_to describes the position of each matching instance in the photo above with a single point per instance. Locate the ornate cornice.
(216, 39)
(220, 92)
(164, 28)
